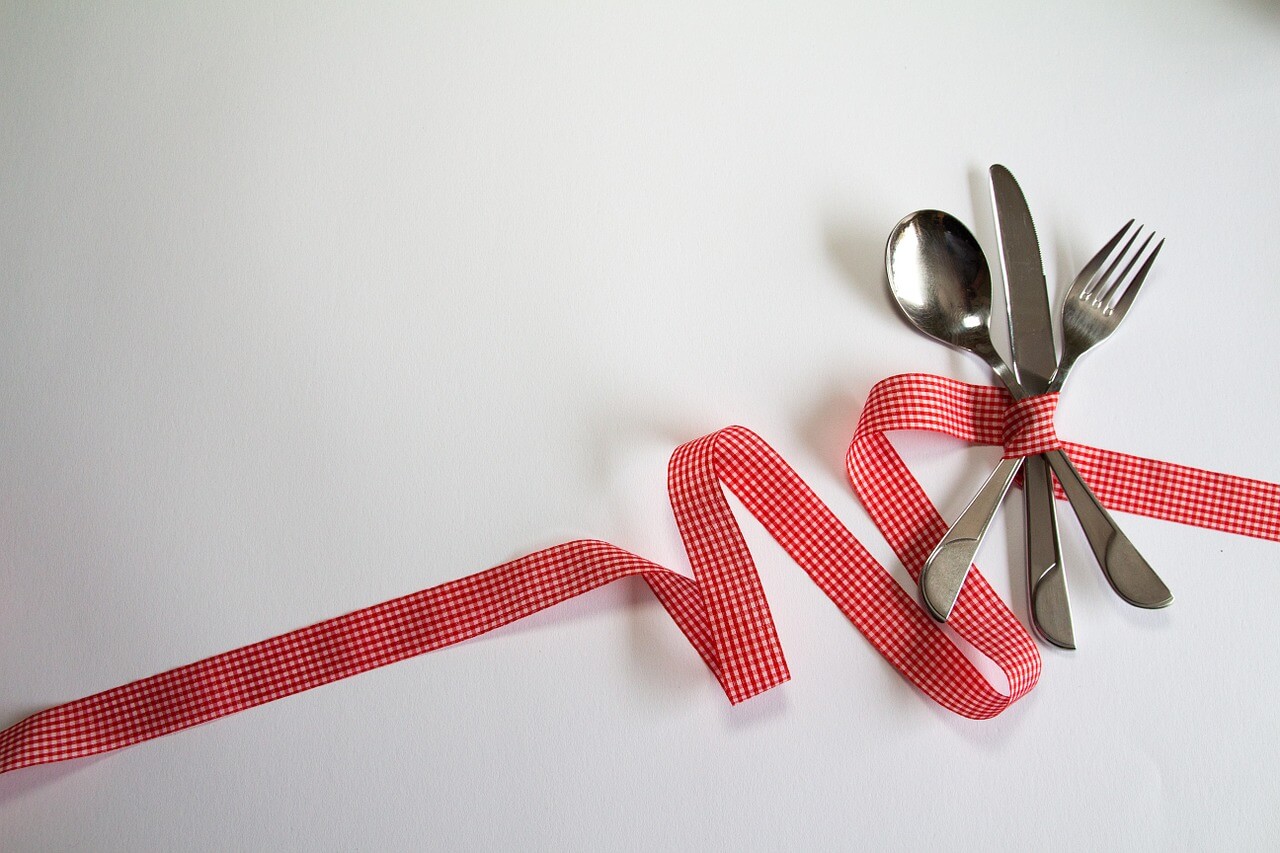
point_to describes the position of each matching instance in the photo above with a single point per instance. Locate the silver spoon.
(940, 279)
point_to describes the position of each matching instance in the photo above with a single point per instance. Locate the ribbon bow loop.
(1028, 427)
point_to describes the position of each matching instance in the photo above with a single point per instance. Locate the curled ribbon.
(721, 609)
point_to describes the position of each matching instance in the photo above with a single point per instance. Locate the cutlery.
(1094, 306)
(940, 280)
(1035, 360)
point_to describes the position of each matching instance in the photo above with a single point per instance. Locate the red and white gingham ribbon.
(722, 609)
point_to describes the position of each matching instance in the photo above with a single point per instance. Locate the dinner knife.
(1034, 361)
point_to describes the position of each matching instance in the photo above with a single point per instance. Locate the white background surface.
(303, 308)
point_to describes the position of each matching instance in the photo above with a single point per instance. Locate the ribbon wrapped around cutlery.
(722, 609)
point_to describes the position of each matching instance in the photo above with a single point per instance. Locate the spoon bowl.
(941, 282)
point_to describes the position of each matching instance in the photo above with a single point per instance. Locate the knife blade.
(1034, 361)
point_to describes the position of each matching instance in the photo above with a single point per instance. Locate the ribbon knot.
(1028, 427)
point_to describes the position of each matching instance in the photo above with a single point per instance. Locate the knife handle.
(1129, 574)
(1048, 601)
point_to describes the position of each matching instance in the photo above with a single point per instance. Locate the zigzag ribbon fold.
(722, 609)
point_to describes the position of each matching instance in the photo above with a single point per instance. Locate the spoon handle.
(944, 572)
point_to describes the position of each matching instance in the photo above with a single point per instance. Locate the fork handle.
(1129, 574)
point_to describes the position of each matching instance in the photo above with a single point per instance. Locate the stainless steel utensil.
(940, 279)
(1035, 360)
(1095, 305)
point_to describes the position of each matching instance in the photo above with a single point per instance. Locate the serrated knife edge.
(1026, 293)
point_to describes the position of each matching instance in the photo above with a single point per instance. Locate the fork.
(1094, 307)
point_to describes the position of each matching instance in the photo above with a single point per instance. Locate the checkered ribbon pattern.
(721, 609)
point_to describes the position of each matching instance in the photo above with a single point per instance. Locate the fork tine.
(1085, 278)
(1126, 298)
(1105, 282)
(1120, 282)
